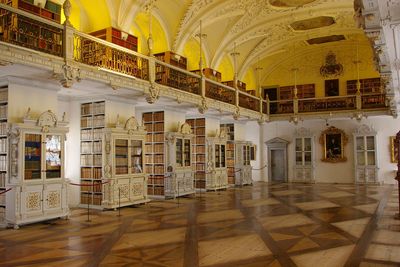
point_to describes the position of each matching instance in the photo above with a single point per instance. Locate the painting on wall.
(333, 141)
(394, 151)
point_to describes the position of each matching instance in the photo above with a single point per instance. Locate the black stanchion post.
(178, 192)
(88, 210)
(119, 201)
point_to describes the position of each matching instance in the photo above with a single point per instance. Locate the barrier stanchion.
(119, 201)
(178, 192)
(88, 202)
(7, 190)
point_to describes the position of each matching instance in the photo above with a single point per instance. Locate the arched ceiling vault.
(260, 29)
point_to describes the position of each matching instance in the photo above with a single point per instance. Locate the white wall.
(114, 108)
(342, 172)
(251, 131)
(22, 97)
(212, 126)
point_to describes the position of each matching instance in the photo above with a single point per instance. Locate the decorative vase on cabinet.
(36, 170)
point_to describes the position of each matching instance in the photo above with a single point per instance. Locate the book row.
(87, 160)
(93, 108)
(91, 134)
(97, 121)
(91, 173)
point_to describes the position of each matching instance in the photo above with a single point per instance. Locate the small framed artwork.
(253, 151)
(394, 151)
(333, 141)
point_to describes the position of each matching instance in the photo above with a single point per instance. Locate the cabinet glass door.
(121, 156)
(217, 156)
(187, 152)
(33, 156)
(136, 156)
(222, 156)
(179, 152)
(53, 156)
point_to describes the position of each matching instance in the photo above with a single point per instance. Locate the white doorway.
(277, 160)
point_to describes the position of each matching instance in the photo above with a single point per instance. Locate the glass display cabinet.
(216, 168)
(123, 156)
(243, 169)
(36, 167)
(365, 159)
(304, 156)
(180, 173)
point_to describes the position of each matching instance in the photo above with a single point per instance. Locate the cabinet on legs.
(243, 169)
(36, 170)
(123, 157)
(179, 179)
(216, 170)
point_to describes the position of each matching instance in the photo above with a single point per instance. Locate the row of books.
(97, 121)
(121, 161)
(121, 151)
(156, 181)
(3, 95)
(33, 138)
(153, 116)
(3, 179)
(87, 172)
(158, 137)
(3, 112)
(93, 108)
(196, 122)
(91, 199)
(3, 128)
(3, 163)
(3, 146)
(91, 134)
(158, 191)
(121, 170)
(87, 160)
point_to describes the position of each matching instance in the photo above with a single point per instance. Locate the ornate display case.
(365, 159)
(304, 156)
(243, 169)
(216, 168)
(179, 179)
(123, 157)
(36, 170)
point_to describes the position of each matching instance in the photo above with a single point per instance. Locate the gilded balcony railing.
(102, 54)
(370, 101)
(249, 101)
(24, 29)
(327, 104)
(177, 78)
(220, 92)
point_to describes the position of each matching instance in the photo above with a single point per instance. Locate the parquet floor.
(260, 225)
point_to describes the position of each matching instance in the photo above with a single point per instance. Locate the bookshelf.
(92, 125)
(243, 175)
(180, 173)
(39, 188)
(229, 129)
(198, 127)
(168, 76)
(117, 37)
(240, 85)
(216, 171)
(51, 10)
(155, 152)
(123, 147)
(3, 149)
(367, 86)
(29, 33)
(303, 91)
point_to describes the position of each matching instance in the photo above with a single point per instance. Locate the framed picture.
(253, 151)
(394, 151)
(333, 141)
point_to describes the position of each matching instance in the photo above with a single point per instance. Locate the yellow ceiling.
(265, 33)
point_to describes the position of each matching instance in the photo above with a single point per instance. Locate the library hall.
(199, 133)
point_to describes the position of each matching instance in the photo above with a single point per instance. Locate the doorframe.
(277, 144)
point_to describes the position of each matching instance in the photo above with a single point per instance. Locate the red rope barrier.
(9, 189)
(94, 184)
(238, 170)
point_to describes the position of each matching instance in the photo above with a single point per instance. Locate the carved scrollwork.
(236, 114)
(131, 125)
(154, 93)
(170, 138)
(69, 74)
(203, 107)
(185, 129)
(47, 120)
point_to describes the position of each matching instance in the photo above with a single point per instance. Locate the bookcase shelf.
(367, 86)
(92, 125)
(117, 37)
(3, 151)
(154, 152)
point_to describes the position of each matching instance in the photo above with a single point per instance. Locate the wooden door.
(278, 165)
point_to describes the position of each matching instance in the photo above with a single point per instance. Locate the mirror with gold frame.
(333, 141)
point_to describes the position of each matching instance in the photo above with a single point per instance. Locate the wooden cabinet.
(216, 169)
(365, 155)
(123, 159)
(199, 151)
(243, 169)
(117, 37)
(180, 172)
(304, 156)
(39, 188)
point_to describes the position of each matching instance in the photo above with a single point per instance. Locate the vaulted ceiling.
(262, 31)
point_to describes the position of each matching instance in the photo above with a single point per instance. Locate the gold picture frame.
(394, 153)
(333, 141)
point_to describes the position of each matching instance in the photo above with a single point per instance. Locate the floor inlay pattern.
(259, 225)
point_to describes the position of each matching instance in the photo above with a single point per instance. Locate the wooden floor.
(260, 225)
